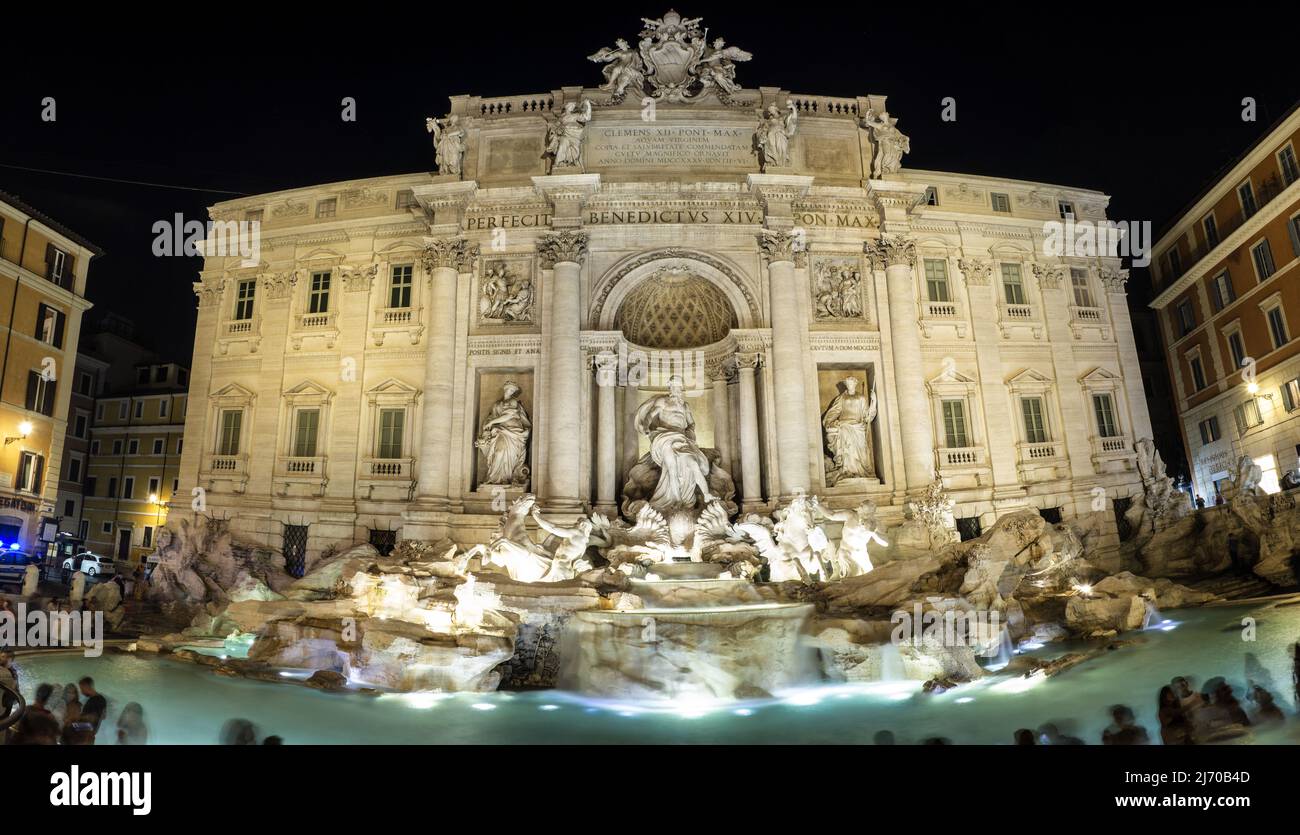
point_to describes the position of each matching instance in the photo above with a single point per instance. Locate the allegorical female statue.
(847, 426)
(504, 439)
(772, 138)
(448, 143)
(564, 140)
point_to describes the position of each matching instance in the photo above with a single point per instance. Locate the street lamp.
(24, 429)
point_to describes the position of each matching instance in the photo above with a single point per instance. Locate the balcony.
(224, 469)
(388, 468)
(389, 320)
(239, 327)
(1012, 317)
(235, 331)
(295, 472)
(1040, 460)
(393, 478)
(312, 325)
(1084, 320)
(941, 314)
(1112, 453)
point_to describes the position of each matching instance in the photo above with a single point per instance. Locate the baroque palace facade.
(413, 352)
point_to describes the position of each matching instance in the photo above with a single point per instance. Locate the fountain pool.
(186, 704)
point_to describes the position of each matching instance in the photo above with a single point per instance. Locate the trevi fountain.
(864, 490)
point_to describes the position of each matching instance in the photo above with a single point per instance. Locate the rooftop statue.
(675, 58)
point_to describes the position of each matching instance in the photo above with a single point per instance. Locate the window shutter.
(59, 319)
(47, 401)
(1294, 228)
(33, 380)
(40, 320)
(49, 260)
(39, 463)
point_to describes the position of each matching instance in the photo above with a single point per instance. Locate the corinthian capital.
(209, 292)
(891, 252)
(782, 246)
(1115, 281)
(555, 247)
(456, 253)
(1049, 276)
(977, 271)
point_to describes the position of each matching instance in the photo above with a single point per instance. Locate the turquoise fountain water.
(185, 703)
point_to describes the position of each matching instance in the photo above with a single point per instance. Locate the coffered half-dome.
(675, 308)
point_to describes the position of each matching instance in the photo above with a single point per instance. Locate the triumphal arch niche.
(666, 289)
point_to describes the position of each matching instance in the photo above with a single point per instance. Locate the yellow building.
(1228, 278)
(136, 439)
(43, 270)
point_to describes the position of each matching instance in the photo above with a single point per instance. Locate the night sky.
(245, 103)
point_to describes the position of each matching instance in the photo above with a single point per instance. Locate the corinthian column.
(750, 487)
(443, 260)
(722, 419)
(560, 253)
(898, 256)
(781, 249)
(606, 365)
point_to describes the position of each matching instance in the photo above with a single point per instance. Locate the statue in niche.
(564, 135)
(675, 475)
(890, 143)
(506, 296)
(837, 292)
(503, 439)
(772, 137)
(624, 68)
(847, 427)
(448, 143)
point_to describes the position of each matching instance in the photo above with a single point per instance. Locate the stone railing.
(381, 469)
(1024, 312)
(959, 458)
(809, 105)
(239, 327)
(302, 465)
(1086, 314)
(1113, 446)
(941, 310)
(227, 464)
(509, 105)
(394, 316)
(1041, 451)
(315, 321)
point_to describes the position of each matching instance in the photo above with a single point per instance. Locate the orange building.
(42, 297)
(1227, 275)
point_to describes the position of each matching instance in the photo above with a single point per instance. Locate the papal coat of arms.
(674, 57)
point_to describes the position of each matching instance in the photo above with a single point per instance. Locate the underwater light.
(483, 706)
(743, 711)
(549, 707)
(965, 700)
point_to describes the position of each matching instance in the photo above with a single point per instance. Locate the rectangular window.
(1236, 348)
(1246, 193)
(1210, 430)
(133, 447)
(936, 280)
(180, 444)
(1293, 228)
(1186, 317)
(1175, 258)
(84, 384)
(1291, 394)
(142, 375)
(1277, 327)
(91, 484)
(1065, 209)
(327, 208)
(1082, 291)
(49, 325)
(99, 413)
(83, 530)
(1247, 416)
(122, 407)
(1221, 292)
(228, 441)
(1001, 202)
(154, 484)
(128, 487)
(147, 539)
(162, 408)
(406, 199)
(40, 393)
(1031, 409)
(79, 427)
(157, 446)
(112, 488)
(106, 527)
(318, 298)
(74, 469)
(1262, 254)
(392, 422)
(1286, 161)
(931, 196)
(306, 426)
(245, 292)
(117, 447)
(1104, 407)
(1013, 284)
(139, 409)
(1198, 373)
(94, 447)
(56, 264)
(399, 286)
(160, 374)
(1211, 227)
(954, 424)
